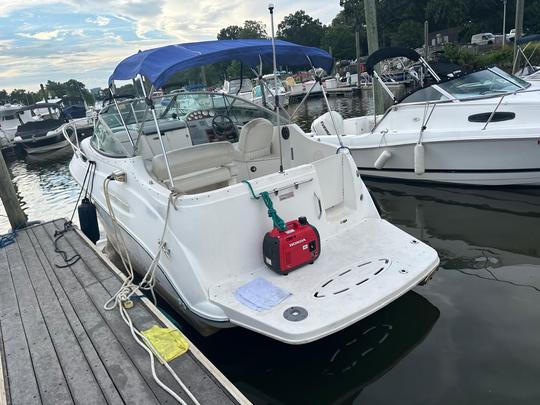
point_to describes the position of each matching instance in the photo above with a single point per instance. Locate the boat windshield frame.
(136, 116)
(447, 95)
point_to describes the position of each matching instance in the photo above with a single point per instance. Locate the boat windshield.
(488, 82)
(484, 83)
(195, 118)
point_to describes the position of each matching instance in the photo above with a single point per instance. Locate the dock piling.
(17, 218)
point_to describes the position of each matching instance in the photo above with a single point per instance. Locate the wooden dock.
(59, 345)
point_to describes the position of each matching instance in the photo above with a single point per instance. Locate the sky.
(59, 40)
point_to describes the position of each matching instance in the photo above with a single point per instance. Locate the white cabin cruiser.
(41, 135)
(528, 72)
(478, 128)
(170, 183)
(9, 121)
(262, 94)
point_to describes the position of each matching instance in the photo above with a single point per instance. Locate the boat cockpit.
(211, 139)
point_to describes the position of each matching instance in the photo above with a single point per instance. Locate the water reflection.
(332, 370)
(44, 186)
(315, 107)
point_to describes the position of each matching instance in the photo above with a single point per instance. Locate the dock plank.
(82, 384)
(99, 295)
(23, 387)
(196, 378)
(126, 376)
(46, 364)
(92, 357)
(59, 345)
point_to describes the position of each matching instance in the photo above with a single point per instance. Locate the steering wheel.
(224, 126)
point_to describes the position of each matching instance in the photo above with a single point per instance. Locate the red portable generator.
(299, 244)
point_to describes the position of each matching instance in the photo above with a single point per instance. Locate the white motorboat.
(169, 185)
(528, 72)
(44, 134)
(297, 90)
(478, 128)
(241, 87)
(262, 94)
(9, 121)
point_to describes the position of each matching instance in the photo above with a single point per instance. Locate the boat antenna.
(276, 88)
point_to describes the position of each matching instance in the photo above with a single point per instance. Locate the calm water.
(471, 336)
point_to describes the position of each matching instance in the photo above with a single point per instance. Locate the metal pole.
(276, 88)
(504, 24)
(426, 39)
(121, 118)
(519, 31)
(17, 218)
(150, 104)
(357, 44)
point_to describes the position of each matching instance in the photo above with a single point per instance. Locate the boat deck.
(59, 345)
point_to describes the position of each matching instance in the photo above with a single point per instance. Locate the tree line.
(72, 88)
(400, 23)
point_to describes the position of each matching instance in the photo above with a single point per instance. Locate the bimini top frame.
(389, 53)
(159, 64)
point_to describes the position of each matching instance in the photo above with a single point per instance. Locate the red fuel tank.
(299, 244)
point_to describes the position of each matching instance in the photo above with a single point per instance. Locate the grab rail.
(76, 148)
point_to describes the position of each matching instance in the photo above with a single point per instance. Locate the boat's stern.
(360, 270)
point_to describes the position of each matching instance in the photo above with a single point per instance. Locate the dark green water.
(470, 336)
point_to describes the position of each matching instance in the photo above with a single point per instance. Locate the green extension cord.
(276, 219)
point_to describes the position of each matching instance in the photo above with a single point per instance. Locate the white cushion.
(193, 159)
(201, 179)
(255, 139)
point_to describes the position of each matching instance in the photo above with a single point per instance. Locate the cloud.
(99, 20)
(42, 36)
(55, 34)
(8, 73)
(85, 43)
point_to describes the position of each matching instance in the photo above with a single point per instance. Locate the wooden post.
(426, 40)
(357, 44)
(519, 31)
(370, 9)
(16, 216)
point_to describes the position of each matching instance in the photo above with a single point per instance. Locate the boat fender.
(88, 220)
(382, 159)
(419, 164)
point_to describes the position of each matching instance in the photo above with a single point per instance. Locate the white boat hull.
(481, 162)
(459, 144)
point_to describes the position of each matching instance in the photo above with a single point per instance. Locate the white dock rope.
(122, 298)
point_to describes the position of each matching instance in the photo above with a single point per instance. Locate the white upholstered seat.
(197, 167)
(255, 140)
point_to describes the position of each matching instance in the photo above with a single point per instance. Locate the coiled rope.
(126, 294)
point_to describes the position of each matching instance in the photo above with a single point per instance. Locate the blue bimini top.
(159, 64)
